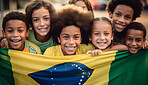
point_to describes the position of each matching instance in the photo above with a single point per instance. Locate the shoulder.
(84, 48)
(53, 51)
(33, 48)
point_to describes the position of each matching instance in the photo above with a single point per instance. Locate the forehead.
(40, 12)
(15, 23)
(80, 3)
(102, 25)
(135, 33)
(71, 29)
(124, 9)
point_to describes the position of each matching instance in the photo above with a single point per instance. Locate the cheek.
(35, 25)
(140, 44)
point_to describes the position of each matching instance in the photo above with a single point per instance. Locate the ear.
(27, 32)
(4, 35)
(59, 40)
(110, 14)
(90, 39)
(144, 40)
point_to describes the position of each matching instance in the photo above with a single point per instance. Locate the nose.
(42, 23)
(122, 19)
(133, 42)
(102, 37)
(15, 34)
(71, 41)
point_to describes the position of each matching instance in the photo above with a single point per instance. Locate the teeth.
(15, 41)
(70, 47)
(119, 26)
(101, 42)
(42, 29)
(133, 48)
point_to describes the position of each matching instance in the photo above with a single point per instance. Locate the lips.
(15, 42)
(70, 48)
(133, 48)
(101, 43)
(43, 29)
(119, 26)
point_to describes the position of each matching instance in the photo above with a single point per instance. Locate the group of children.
(73, 30)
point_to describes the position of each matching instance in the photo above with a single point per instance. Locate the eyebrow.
(12, 27)
(68, 34)
(9, 28)
(43, 16)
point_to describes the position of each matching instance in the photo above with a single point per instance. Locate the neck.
(42, 38)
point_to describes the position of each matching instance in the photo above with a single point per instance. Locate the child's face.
(41, 21)
(101, 35)
(134, 40)
(16, 33)
(81, 4)
(70, 39)
(121, 17)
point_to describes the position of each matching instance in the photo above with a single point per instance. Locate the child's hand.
(94, 52)
(145, 45)
(2, 43)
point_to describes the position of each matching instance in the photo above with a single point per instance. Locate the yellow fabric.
(35, 47)
(56, 50)
(24, 63)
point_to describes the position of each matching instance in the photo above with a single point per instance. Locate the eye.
(106, 34)
(35, 20)
(127, 17)
(76, 37)
(46, 18)
(118, 14)
(10, 31)
(96, 33)
(65, 37)
(129, 38)
(20, 31)
(138, 40)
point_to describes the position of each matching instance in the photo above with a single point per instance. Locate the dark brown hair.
(15, 15)
(71, 15)
(35, 5)
(136, 5)
(87, 2)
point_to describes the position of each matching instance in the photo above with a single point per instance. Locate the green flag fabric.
(108, 68)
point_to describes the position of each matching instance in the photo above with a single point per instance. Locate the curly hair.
(136, 26)
(136, 5)
(87, 2)
(35, 5)
(14, 15)
(71, 15)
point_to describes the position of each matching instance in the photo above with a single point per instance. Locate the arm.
(115, 47)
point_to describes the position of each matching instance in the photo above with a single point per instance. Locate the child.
(135, 36)
(39, 14)
(101, 36)
(15, 30)
(70, 29)
(122, 13)
(85, 4)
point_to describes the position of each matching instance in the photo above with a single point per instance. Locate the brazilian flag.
(108, 68)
